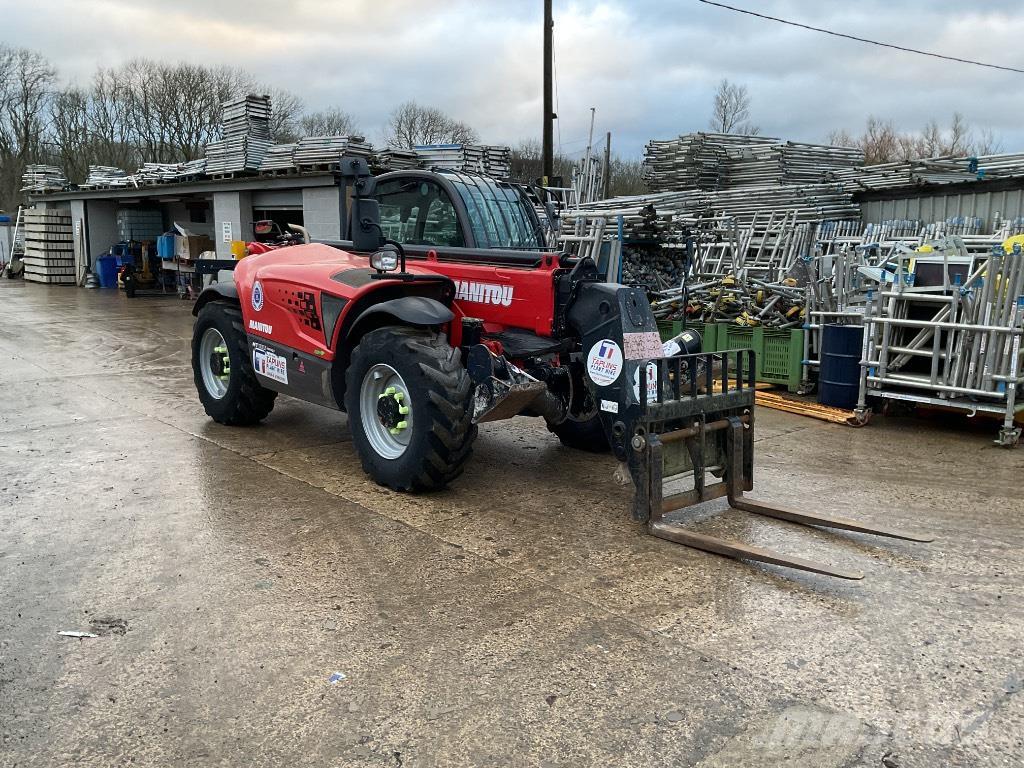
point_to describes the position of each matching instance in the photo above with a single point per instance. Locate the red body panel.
(292, 279)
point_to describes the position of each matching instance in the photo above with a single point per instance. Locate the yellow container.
(238, 249)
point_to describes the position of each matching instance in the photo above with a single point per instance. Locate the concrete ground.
(518, 619)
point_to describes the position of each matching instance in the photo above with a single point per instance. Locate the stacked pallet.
(328, 150)
(49, 247)
(43, 178)
(489, 160)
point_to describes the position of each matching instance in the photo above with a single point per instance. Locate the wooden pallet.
(779, 402)
(317, 167)
(232, 175)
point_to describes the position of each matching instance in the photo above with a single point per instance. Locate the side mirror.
(366, 233)
(264, 227)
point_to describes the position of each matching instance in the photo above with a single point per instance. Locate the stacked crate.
(49, 247)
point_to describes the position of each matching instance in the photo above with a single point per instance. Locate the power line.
(861, 39)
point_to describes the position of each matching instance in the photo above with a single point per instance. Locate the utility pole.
(608, 165)
(549, 108)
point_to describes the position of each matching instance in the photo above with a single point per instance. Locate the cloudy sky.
(649, 67)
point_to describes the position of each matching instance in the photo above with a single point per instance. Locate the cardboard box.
(190, 247)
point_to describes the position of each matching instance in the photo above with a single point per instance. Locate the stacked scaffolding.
(930, 171)
(246, 129)
(312, 151)
(488, 160)
(43, 178)
(279, 157)
(716, 161)
(396, 160)
(945, 329)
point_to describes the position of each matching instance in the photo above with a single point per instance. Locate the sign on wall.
(226, 231)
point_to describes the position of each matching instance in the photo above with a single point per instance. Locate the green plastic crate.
(669, 328)
(778, 353)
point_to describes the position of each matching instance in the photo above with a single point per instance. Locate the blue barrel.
(106, 271)
(839, 377)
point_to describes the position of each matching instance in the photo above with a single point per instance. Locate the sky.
(648, 67)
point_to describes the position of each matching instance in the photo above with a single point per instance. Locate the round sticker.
(604, 363)
(652, 383)
(257, 296)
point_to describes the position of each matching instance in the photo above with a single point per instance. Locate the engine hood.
(312, 265)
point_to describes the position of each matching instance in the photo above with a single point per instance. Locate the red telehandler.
(445, 309)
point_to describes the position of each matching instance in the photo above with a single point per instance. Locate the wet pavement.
(518, 618)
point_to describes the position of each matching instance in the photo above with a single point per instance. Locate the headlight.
(384, 261)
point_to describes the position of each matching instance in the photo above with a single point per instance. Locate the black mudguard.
(419, 311)
(215, 292)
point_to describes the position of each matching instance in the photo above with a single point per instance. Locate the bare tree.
(882, 143)
(284, 117)
(527, 164)
(328, 122)
(26, 79)
(732, 110)
(988, 143)
(626, 177)
(412, 124)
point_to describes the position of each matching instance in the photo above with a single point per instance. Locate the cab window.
(418, 212)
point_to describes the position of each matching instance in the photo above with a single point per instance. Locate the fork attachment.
(707, 428)
(680, 419)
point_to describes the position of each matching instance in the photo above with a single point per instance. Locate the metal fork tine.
(734, 549)
(825, 521)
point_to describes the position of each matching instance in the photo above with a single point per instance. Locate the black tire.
(246, 401)
(586, 435)
(442, 434)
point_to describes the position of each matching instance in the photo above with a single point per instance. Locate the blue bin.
(106, 271)
(165, 246)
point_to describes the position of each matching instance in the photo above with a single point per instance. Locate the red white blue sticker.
(604, 362)
(266, 362)
(257, 296)
(652, 383)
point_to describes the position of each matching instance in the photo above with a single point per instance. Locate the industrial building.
(224, 210)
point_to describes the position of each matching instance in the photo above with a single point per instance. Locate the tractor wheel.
(407, 395)
(228, 388)
(586, 435)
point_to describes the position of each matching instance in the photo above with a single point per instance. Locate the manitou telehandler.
(445, 309)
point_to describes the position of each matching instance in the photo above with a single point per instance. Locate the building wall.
(1008, 204)
(232, 218)
(101, 216)
(320, 212)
